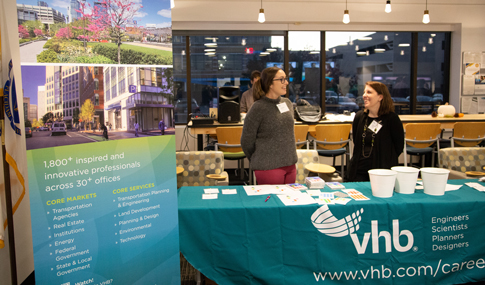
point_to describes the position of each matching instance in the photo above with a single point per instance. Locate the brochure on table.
(105, 214)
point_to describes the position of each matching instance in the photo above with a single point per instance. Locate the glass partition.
(218, 61)
(353, 58)
(304, 67)
(431, 86)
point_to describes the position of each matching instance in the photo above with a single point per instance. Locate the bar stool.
(301, 134)
(418, 140)
(468, 134)
(229, 142)
(332, 140)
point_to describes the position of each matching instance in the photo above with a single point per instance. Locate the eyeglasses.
(283, 80)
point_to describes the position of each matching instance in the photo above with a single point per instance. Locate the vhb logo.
(328, 224)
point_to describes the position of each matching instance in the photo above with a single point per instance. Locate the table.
(446, 123)
(406, 239)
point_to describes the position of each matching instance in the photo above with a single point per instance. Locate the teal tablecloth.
(406, 239)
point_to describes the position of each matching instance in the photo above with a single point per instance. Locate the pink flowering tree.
(23, 32)
(64, 33)
(119, 15)
(108, 20)
(38, 32)
(92, 22)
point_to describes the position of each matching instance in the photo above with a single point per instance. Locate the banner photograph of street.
(95, 32)
(71, 104)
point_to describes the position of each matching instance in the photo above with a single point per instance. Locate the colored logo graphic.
(329, 225)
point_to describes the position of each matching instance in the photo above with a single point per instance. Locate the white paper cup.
(406, 179)
(382, 182)
(434, 180)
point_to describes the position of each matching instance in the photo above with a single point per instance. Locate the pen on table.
(269, 196)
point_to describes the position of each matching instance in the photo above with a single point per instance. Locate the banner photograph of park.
(95, 32)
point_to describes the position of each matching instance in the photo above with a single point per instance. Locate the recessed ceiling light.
(404, 45)
(361, 52)
(379, 49)
(210, 49)
(210, 53)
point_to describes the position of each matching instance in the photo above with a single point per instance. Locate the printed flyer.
(105, 214)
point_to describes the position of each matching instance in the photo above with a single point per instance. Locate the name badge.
(283, 107)
(375, 126)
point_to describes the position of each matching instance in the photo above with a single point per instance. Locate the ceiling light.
(314, 52)
(210, 49)
(388, 6)
(265, 52)
(361, 53)
(402, 52)
(426, 14)
(334, 50)
(210, 44)
(430, 41)
(367, 52)
(386, 37)
(346, 18)
(183, 52)
(210, 53)
(243, 42)
(379, 50)
(404, 45)
(271, 49)
(365, 39)
(424, 49)
(261, 17)
(433, 35)
(356, 47)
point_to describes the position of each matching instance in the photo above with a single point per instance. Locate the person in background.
(247, 99)
(377, 133)
(105, 131)
(137, 126)
(161, 127)
(268, 137)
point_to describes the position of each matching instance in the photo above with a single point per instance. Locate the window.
(304, 67)
(349, 60)
(222, 60)
(96, 84)
(142, 76)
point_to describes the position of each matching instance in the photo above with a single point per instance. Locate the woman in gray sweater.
(268, 137)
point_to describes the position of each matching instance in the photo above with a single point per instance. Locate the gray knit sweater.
(268, 137)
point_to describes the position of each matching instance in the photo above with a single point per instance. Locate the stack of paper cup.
(382, 182)
(434, 180)
(406, 179)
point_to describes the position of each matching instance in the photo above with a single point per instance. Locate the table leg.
(200, 142)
